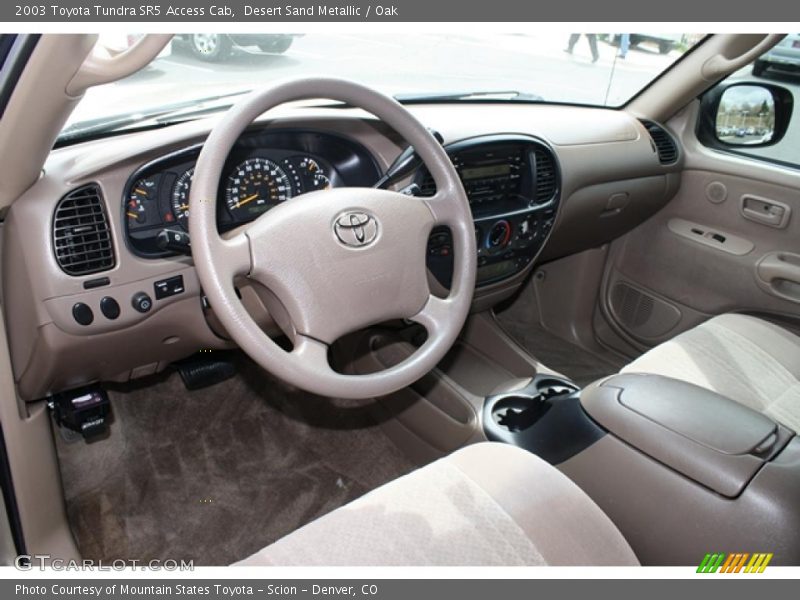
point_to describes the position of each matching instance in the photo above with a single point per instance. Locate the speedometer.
(254, 187)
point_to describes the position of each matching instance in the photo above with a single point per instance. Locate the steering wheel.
(334, 261)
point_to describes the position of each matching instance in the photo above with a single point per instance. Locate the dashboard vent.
(545, 175)
(665, 146)
(81, 234)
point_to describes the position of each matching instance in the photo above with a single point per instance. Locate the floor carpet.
(216, 474)
(520, 320)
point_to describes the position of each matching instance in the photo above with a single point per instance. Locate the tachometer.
(180, 198)
(254, 187)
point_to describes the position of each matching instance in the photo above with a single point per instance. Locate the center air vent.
(545, 175)
(665, 146)
(81, 234)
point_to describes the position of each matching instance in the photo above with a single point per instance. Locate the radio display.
(487, 171)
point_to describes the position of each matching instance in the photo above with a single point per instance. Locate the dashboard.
(96, 296)
(511, 181)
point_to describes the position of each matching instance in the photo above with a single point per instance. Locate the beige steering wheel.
(338, 260)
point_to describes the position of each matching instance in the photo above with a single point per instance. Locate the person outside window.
(590, 37)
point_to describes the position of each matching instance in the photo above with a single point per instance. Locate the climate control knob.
(499, 235)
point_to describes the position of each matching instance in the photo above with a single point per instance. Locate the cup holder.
(545, 417)
(517, 411)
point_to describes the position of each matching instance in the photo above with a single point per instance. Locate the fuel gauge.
(313, 175)
(141, 208)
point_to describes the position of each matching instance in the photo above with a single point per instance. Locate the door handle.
(765, 211)
(779, 274)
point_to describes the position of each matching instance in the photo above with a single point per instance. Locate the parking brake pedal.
(85, 411)
(201, 370)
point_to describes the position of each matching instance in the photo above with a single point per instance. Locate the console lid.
(707, 437)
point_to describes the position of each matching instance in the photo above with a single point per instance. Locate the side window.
(14, 53)
(754, 112)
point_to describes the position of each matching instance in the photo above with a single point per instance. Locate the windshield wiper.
(488, 96)
(162, 115)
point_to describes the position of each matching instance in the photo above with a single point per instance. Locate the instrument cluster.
(263, 170)
(252, 187)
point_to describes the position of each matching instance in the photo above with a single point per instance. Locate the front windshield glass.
(595, 69)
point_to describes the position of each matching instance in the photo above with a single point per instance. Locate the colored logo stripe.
(735, 562)
(758, 563)
(711, 562)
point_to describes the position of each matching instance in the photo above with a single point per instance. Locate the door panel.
(725, 243)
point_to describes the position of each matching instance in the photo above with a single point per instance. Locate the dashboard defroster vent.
(81, 233)
(666, 147)
(545, 175)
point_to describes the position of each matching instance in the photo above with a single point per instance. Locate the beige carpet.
(520, 319)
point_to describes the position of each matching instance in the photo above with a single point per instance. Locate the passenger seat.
(744, 358)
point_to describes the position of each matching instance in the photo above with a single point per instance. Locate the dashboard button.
(82, 313)
(142, 302)
(109, 307)
(169, 287)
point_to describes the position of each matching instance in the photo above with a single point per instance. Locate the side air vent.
(545, 175)
(81, 233)
(665, 146)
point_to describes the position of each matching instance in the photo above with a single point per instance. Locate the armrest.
(702, 435)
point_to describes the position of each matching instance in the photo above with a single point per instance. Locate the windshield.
(594, 69)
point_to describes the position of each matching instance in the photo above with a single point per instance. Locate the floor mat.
(520, 320)
(216, 474)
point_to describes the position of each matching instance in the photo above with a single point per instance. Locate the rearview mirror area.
(747, 115)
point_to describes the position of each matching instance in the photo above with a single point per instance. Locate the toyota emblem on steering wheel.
(355, 229)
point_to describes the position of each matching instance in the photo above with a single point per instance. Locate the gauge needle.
(244, 201)
(140, 191)
(133, 215)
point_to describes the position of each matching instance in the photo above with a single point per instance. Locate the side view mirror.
(752, 115)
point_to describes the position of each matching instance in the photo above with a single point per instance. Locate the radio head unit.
(512, 184)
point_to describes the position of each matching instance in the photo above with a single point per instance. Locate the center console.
(683, 471)
(512, 183)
